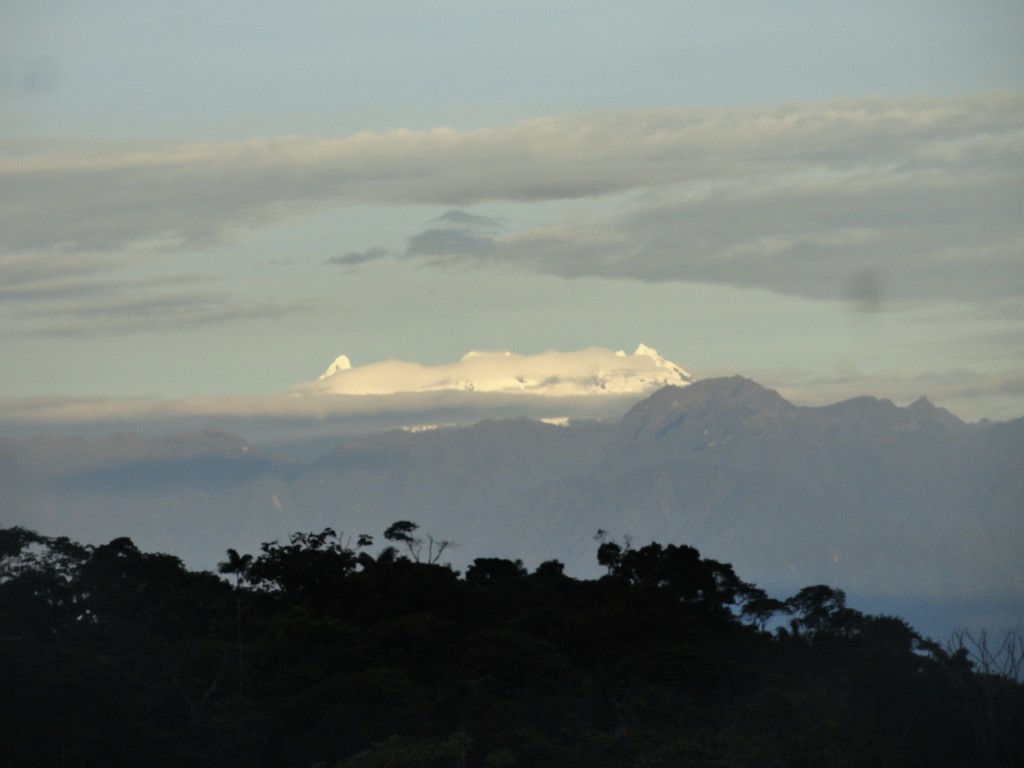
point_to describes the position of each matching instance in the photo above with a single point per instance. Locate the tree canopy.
(321, 652)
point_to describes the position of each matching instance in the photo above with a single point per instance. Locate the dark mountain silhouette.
(908, 508)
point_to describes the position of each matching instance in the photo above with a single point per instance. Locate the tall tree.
(238, 566)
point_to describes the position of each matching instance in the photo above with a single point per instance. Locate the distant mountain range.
(908, 509)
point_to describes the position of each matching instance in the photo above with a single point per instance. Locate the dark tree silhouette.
(490, 569)
(350, 661)
(403, 532)
(236, 565)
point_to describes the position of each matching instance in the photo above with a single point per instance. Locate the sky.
(212, 201)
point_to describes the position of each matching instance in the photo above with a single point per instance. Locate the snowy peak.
(475, 354)
(341, 363)
(592, 371)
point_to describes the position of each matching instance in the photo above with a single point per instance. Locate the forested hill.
(326, 651)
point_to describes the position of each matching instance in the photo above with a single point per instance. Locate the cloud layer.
(335, 405)
(802, 199)
(593, 371)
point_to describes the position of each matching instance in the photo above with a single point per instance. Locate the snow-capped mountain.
(592, 371)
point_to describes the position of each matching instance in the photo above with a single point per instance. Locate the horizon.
(346, 400)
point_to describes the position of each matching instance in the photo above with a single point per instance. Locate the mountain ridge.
(873, 497)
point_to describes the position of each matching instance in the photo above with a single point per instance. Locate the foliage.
(318, 652)
(404, 532)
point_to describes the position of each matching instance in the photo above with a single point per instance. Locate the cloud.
(354, 258)
(968, 394)
(460, 235)
(587, 384)
(802, 199)
(363, 399)
(100, 196)
(595, 371)
(457, 218)
(920, 237)
(36, 277)
(169, 312)
(450, 242)
(162, 313)
(49, 299)
(287, 416)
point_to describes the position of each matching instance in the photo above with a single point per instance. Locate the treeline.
(323, 651)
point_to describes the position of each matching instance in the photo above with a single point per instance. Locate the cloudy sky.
(214, 200)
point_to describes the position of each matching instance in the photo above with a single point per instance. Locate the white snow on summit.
(341, 363)
(590, 371)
